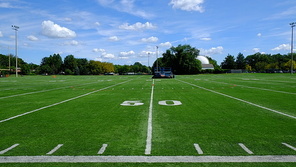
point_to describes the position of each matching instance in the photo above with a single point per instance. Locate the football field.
(198, 120)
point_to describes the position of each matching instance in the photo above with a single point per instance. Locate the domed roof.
(203, 59)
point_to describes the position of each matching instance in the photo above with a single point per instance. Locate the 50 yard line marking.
(149, 128)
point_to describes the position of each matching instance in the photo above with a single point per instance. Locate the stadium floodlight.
(292, 26)
(15, 28)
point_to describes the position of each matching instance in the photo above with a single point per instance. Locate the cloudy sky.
(127, 31)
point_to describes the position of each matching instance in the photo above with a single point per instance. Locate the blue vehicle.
(163, 72)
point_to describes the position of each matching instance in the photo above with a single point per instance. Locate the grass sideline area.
(83, 114)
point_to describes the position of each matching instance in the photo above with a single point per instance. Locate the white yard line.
(245, 148)
(102, 149)
(41, 91)
(288, 145)
(146, 159)
(28, 93)
(198, 149)
(251, 87)
(253, 104)
(29, 112)
(149, 128)
(55, 149)
(10, 148)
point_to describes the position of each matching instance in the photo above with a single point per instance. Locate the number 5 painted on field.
(131, 103)
(164, 103)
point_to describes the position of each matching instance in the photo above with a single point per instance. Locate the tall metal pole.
(9, 59)
(148, 58)
(157, 58)
(292, 64)
(148, 62)
(15, 28)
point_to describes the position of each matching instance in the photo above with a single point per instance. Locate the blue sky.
(126, 31)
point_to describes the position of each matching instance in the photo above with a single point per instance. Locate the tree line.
(54, 64)
(182, 60)
(259, 62)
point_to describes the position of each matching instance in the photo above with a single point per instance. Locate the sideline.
(253, 104)
(149, 128)
(64, 101)
(146, 159)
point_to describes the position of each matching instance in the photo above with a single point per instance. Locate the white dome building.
(203, 59)
(205, 63)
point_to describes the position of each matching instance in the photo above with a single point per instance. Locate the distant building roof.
(207, 67)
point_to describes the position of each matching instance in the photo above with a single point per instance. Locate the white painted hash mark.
(288, 145)
(29, 112)
(149, 128)
(55, 149)
(198, 149)
(245, 148)
(253, 104)
(103, 148)
(10, 148)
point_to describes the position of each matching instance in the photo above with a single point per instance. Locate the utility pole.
(292, 26)
(15, 28)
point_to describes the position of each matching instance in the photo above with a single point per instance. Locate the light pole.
(157, 58)
(292, 26)
(148, 61)
(15, 28)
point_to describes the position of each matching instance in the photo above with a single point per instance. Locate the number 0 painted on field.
(172, 103)
(131, 103)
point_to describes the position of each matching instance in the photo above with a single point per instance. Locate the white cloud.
(99, 50)
(282, 47)
(73, 43)
(67, 19)
(1, 35)
(126, 6)
(166, 45)
(97, 23)
(205, 39)
(113, 38)
(104, 54)
(137, 26)
(32, 38)
(52, 30)
(150, 39)
(256, 50)
(108, 55)
(259, 35)
(129, 53)
(8, 5)
(188, 5)
(212, 51)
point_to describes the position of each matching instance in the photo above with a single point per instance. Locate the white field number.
(132, 103)
(169, 103)
(163, 102)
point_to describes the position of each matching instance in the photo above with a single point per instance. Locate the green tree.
(83, 65)
(25, 69)
(70, 65)
(229, 62)
(52, 64)
(182, 59)
(240, 61)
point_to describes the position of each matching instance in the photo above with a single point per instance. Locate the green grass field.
(84, 113)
